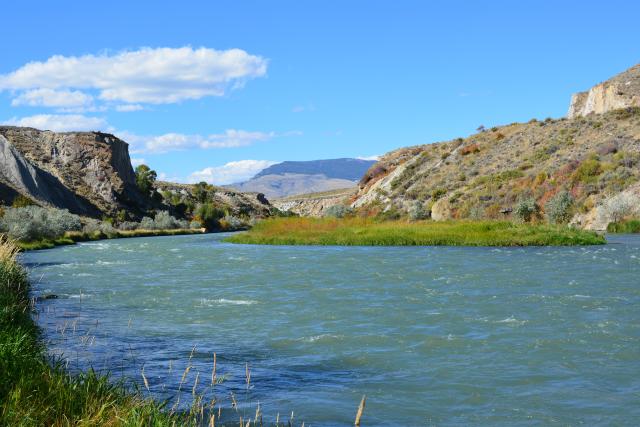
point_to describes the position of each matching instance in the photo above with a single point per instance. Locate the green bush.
(32, 223)
(526, 210)
(417, 212)
(338, 211)
(209, 215)
(559, 208)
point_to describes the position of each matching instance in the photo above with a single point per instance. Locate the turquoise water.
(431, 335)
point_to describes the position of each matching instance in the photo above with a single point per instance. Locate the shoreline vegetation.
(367, 232)
(73, 237)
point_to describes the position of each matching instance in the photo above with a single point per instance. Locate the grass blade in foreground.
(365, 232)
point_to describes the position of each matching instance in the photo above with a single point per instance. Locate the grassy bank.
(73, 237)
(35, 392)
(356, 231)
(629, 226)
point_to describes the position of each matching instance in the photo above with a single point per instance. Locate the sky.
(218, 90)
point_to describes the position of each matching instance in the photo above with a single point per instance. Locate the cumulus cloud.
(60, 122)
(147, 75)
(230, 138)
(231, 172)
(45, 97)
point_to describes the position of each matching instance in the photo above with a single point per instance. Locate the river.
(431, 335)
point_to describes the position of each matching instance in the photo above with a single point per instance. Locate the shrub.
(417, 212)
(128, 226)
(619, 207)
(209, 215)
(93, 226)
(147, 223)
(559, 208)
(588, 171)
(194, 225)
(470, 149)
(21, 202)
(31, 223)
(526, 210)
(164, 221)
(338, 211)
(438, 193)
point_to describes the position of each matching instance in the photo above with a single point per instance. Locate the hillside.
(594, 157)
(292, 178)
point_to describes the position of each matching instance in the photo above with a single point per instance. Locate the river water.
(431, 335)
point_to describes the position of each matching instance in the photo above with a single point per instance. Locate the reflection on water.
(446, 336)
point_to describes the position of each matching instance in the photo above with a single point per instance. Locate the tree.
(145, 178)
(209, 215)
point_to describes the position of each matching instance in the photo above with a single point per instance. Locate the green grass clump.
(629, 226)
(366, 232)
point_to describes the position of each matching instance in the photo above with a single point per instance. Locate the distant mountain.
(350, 169)
(293, 178)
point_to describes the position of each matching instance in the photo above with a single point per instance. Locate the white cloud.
(60, 122)
(231, 172)
(376, 157)
(45, 97)
(147, 75)
(137, 161)
(129, 107)
(177, 141)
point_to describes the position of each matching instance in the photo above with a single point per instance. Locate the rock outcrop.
(621, 91)
(254, 205)
(88, 173)
(315, 204)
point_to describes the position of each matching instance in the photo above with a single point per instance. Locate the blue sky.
(217, 90)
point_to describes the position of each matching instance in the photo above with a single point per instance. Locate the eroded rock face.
(313, 205)
(88, 173)
(621, 91)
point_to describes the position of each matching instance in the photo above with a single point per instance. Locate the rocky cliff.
(620, 91)
(88, 173)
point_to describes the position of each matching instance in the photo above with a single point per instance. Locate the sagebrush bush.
(338, 211)
(559, 208)
(526, 209)
(30, 223)
(417, 212)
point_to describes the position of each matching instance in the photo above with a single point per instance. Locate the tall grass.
(367, 232)
(628, 226)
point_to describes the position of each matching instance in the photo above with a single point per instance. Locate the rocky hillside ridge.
(314, 204)
(238, 204)
(594, 158)
(88, 173)
(621, 91)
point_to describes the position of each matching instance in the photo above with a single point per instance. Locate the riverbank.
(36, 391)
(365, 232)
(73, 237)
